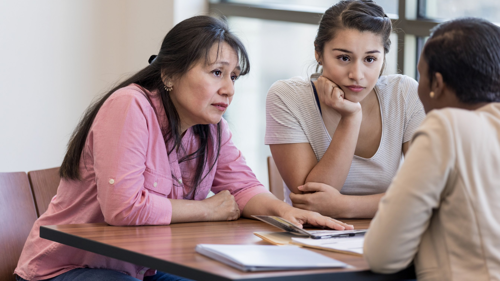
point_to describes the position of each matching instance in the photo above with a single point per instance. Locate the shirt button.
(111, 181)
(155, 184)
(180, 181)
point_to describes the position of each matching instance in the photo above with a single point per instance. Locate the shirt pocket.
(157, 183)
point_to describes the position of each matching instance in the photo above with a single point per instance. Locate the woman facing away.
(338, 140)
(442, 209)
(149, 152)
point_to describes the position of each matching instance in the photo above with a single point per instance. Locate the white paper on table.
(347, 244)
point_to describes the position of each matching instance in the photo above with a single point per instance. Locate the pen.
(334, 236)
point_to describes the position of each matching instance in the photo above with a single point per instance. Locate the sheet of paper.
(348, 244)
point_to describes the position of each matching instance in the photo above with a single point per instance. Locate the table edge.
(52, 234)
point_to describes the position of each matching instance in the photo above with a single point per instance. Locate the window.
(277, 50)
(390, 6)
(449, 9)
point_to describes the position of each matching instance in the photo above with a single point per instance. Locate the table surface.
(172, 249)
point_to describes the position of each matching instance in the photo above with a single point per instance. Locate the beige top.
(293, 116)
(443, 207)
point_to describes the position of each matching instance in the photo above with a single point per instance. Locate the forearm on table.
(265, 204)
(188, 211)
(359, 206)
(334, 166)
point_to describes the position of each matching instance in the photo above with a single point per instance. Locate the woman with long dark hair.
(148, 153)
(442, 209)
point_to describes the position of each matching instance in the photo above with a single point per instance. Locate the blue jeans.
(90, 274)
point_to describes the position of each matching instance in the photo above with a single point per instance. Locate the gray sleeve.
(406, 209)
(415, 113)
(282, 124)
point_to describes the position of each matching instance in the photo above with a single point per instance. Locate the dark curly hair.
(466, 51)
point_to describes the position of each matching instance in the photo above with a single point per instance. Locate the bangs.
(235, 44)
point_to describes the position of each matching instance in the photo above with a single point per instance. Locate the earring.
(169, 87)
(431, 94)
(320, 63)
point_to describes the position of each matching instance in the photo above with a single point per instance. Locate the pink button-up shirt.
(127, 178)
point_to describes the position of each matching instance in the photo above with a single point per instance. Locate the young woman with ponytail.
(338, 138)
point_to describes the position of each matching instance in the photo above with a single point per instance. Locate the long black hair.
(184, 45)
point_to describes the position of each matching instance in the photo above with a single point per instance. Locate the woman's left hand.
(268, 205)
(319, 197)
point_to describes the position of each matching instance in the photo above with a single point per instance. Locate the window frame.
(407, 22)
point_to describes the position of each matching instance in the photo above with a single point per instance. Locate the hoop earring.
(431, 94)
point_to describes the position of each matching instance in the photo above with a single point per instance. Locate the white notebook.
(267, 257)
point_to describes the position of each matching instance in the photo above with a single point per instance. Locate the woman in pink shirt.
(148, 153)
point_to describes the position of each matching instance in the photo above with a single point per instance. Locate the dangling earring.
(169, 87)
(431, 94)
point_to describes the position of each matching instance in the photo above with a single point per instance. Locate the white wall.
(57, 55)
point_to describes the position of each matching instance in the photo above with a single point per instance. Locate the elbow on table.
(124, 218)
(118, 220)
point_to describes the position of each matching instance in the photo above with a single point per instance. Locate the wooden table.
(172, 249)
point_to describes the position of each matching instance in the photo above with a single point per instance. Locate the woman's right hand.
(300, 217)
(331, 95)
(221, 207)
